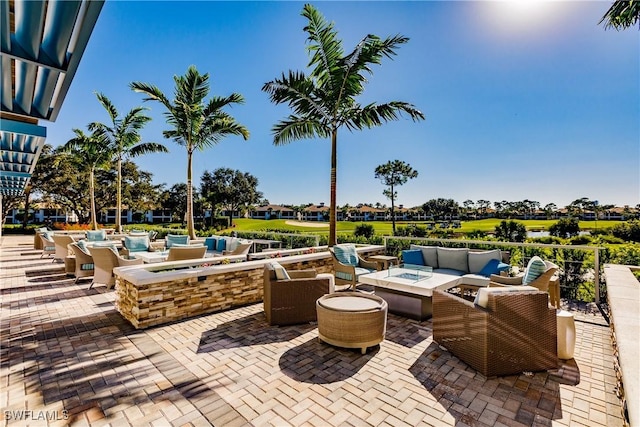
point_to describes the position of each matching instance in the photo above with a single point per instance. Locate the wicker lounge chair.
(48, 246)
(178, 253)
(105, 260)
(348, 265)
(293, 300)
(84, 262)
(541, 282)
(62, 242)
(514, 332)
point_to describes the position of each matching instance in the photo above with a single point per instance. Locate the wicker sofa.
(505, 331)
(292, 301)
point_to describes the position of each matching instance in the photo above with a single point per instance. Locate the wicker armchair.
(516, 332)
(149, 246)
(47, 245)
(62, 242)
(287, 302)
(347, 273)
(104, 261)
(542, 282)
(84, 262)
(178, 253)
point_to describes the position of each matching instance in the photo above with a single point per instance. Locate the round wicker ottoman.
(351, 319)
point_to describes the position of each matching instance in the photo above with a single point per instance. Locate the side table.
(566, 334)
(383, 261)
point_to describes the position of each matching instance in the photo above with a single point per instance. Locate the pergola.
(42, 43)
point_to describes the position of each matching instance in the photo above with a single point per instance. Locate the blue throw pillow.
(210, 243)
(136, 243)
(96, 235)
(221, 245)
(346, 254)
(493, 267)
(535, 269)
(412, 256)
(172, 239)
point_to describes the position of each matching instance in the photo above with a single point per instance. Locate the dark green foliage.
(565, 228)
(366, 230)
(511, 231)
(628, 231)
(580, 240)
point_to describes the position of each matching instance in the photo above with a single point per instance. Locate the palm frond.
(108, 105)
(622, 14)
(373, 115)
(299, 92)
(294, 127)
(153, 93)
(323, 45)
(147, 148)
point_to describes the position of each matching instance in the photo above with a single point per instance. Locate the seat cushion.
(136, 243)
(172, 239)
(482, 297)
(412, 256)
(358, 270)
(453, 259)
(477, 260)
(429, 254)
(281, 273)
(346, 254)
(535, 269)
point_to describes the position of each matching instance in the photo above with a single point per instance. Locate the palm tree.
(123, 136)
(622, 14)
(324, 101)
(196, 124)
(92, 151)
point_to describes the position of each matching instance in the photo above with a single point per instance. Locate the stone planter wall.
(146, 303)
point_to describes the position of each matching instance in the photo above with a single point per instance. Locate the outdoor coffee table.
(408, 288)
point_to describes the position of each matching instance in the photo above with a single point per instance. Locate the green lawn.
(385, 227)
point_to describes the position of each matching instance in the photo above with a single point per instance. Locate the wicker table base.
(351, 320)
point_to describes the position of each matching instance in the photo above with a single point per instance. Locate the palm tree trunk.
(119, 198)
(190, 228)
(92, 190)
(332, 202)
(393, 213)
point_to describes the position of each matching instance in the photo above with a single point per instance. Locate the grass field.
(385, 227)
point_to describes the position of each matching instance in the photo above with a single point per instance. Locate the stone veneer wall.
(163, 302)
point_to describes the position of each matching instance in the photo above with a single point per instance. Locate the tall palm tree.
(325, 100)
(92, 151)
(123, 136)
(197, 124)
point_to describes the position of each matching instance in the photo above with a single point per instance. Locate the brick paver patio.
(67, 353)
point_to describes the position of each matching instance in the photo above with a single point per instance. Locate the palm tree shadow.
(248, 331)
(318, 363)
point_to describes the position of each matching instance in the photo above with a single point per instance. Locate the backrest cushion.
(477, 260)
(535, 269)
(82, 244)
(482, 297)
(48, 235)
(106, 244)
(346, 254)
(136, 243)
(172, 239)
(412, 256)
(429, 254)
(281, 273)
(96, 235)
(453, 258)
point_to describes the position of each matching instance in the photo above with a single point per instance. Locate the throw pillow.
(210, 243)
(453, 259)
(281, 273)
(478, 259)
(535, 269)
(172, 239)
(429, 254)
(82, 244)
(412, 256)
(136, 243)
(221, 245)
(346, 254)
(96, 235)
(493, 267)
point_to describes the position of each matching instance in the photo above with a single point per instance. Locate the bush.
(565, 228)
(628, 231)
(511, 231)
(366, 230)
(580, 240)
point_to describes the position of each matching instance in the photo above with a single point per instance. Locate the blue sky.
(523, 100)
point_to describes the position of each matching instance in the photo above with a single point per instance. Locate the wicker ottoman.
(351, 319)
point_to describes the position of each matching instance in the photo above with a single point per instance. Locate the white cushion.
(477, 260)
(429, 254)
(482, 297)
(281, 273)
(453, 258)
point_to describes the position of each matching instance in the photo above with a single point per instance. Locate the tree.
(123, 136)
(549, 209)
(197, 124)
(175, 199)
(565, 228)
(231, 189)
(621, 15)
(393, 174)
(325, 100)
(511, 231)
(89, 151)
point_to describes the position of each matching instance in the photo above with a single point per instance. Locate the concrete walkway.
(68, 356)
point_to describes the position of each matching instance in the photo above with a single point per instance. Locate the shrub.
(511, 231)
(580, 240)
(366, 230)
(628, 231)
(565, 228)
